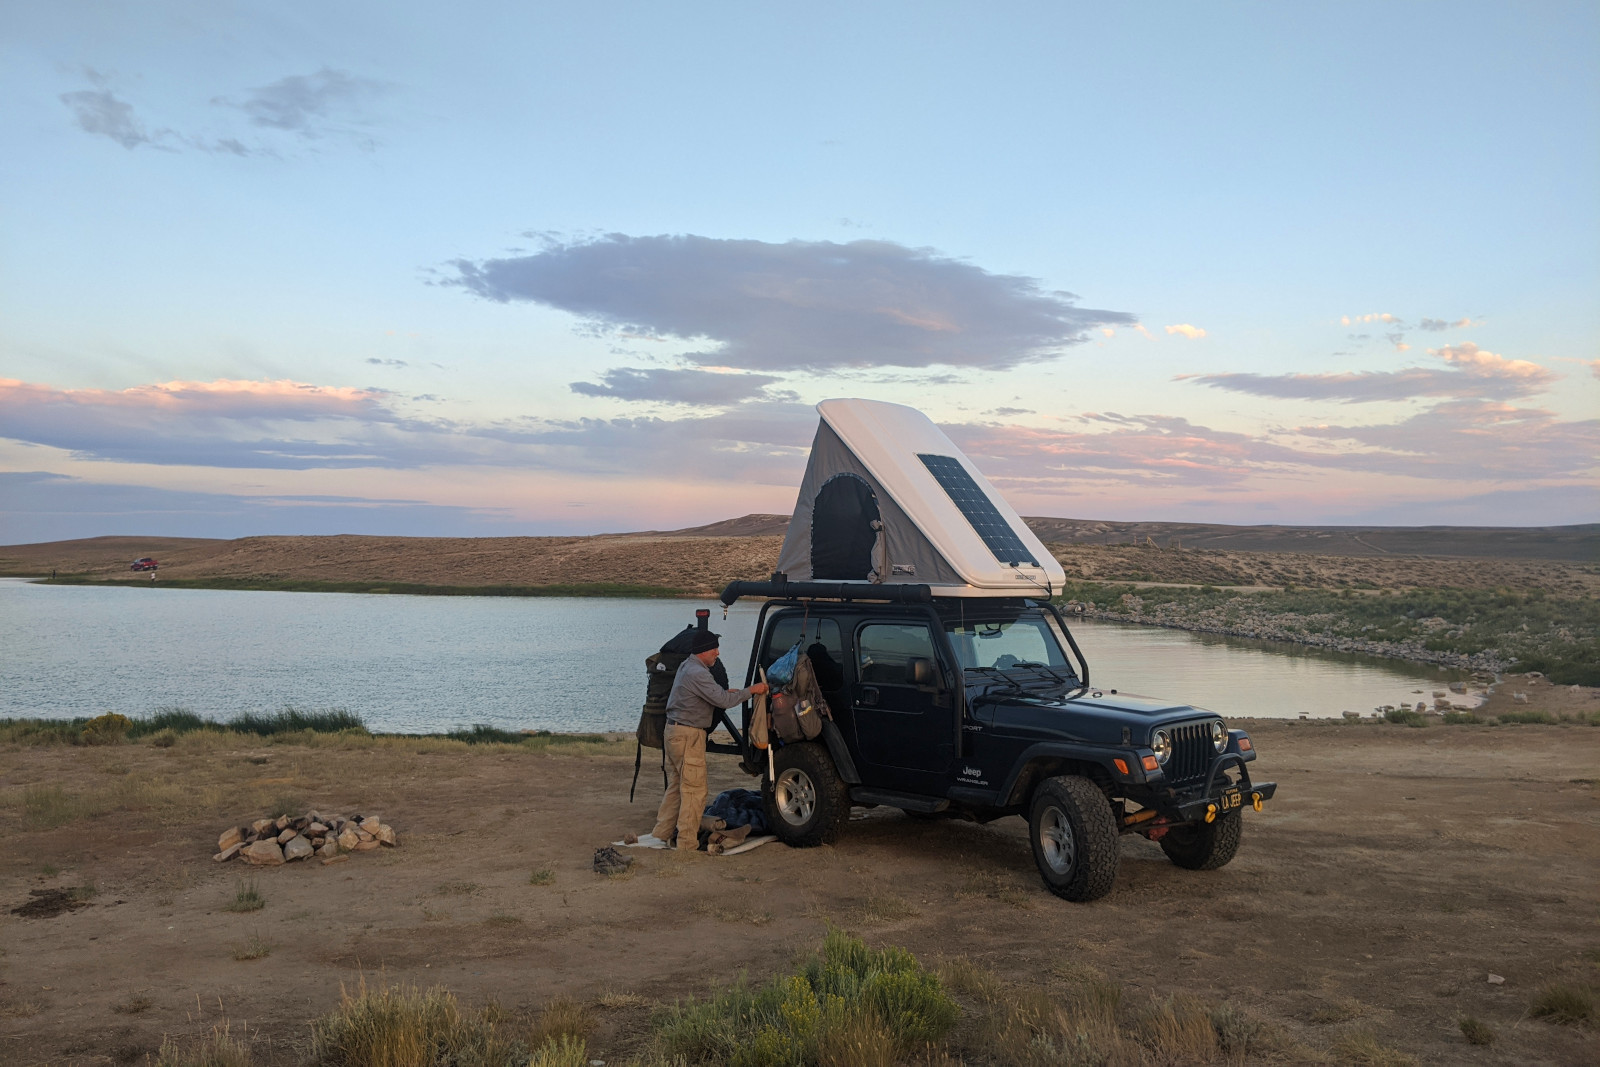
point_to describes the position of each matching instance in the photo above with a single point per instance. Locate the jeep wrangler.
(981, 708)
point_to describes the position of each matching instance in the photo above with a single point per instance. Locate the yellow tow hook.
(1255, 801)
(1211, 813)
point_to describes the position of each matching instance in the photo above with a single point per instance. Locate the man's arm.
(702, 685)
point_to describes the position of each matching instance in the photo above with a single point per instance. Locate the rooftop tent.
(888, 499)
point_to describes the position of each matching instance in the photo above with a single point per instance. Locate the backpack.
(661, 669)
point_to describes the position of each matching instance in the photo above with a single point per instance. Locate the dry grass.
(246, 897)
(1564, 1002)
(562, 1018)
(218, 1049)
(1362, 1047)
(542, 876)
(256, 948)
(1476, 1031)
(399, 1025)
(23, 1009)
(1340, 1011)
(134, 1005)
(886, 908)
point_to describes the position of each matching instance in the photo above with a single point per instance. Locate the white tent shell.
(888, 499)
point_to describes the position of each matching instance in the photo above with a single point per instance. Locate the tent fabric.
(901, 554)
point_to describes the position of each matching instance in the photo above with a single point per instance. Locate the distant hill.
(1575, 543)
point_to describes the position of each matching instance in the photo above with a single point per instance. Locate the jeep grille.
(1192, 751)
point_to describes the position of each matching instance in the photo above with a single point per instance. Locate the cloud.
(1470, 372)
(1383, 316)
(796, 305)
(1193, 333)
(1594, 367)
(310, 105)
(102, 112)
(1438, 325)
(701, 387)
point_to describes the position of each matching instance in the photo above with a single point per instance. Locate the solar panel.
(980, 511)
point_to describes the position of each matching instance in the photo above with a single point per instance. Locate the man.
(694, 699)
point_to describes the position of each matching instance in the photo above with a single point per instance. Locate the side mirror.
(922, 673)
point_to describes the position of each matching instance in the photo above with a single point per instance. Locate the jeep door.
(903, 710)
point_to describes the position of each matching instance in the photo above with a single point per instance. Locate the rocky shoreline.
(1264, 626)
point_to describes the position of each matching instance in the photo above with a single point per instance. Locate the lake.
(418, 664)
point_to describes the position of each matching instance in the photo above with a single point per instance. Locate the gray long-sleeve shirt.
(696, 696)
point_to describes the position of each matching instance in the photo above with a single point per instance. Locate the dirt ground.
(1396, 871)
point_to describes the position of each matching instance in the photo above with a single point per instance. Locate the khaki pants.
(686, 786)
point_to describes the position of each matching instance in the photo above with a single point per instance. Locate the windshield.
(1009, 643)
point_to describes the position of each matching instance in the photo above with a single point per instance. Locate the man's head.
(704, 647)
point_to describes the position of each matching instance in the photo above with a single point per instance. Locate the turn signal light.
(1122, 766)
(1244, 744)
(1151, 763)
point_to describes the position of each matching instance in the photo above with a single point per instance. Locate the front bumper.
(1227, 798)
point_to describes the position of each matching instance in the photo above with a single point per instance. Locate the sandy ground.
(705, 564)
(1396, 871)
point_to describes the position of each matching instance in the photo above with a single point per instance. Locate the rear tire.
(809, 803)
(1074, 838)
(1205, 846)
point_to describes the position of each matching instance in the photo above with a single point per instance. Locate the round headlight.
(1219, 735)
(1161, 746)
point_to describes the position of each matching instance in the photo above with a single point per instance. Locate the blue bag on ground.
(740, 807)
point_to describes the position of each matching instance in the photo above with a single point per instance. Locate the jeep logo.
(971, 772)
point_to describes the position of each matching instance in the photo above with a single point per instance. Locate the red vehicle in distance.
(144, 563)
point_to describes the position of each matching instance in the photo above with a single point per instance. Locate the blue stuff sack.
(781, 673)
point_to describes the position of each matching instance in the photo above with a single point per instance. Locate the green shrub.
(1406, 717)
(850, 1004)
(481, 733)
(1534, 718)
(107, 729)
(395, 1026)
(246, 897)
(562, 1051)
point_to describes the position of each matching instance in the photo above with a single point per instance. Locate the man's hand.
(759, 688)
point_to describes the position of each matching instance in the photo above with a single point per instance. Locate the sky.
(513, 268)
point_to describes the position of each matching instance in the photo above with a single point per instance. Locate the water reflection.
(423, 664)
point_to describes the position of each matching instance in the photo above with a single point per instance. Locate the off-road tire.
(1074, 838)
(810, 803)
(1204, 846)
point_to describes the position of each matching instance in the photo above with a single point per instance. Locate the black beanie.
(704, 641)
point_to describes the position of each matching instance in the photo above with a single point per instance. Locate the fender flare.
(1084, 753)
(840, 753)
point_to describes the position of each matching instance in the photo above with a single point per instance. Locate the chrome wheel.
(796, 796)
(1055, 840)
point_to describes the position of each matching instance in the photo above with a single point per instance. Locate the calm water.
(424, 664)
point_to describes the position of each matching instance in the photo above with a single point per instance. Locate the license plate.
(1231, 798)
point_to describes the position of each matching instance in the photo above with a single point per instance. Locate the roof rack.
(779, 587)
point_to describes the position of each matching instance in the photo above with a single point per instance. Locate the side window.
(784, 632)
(885, 650)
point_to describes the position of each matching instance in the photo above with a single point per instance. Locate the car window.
(1005, 644)
(784, 632)
(884, 651)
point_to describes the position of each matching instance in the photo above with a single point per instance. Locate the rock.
(233, 835)
(371, 823)
(364, 836)
(330, 847)
(298, 848)
(264, 854)
(260, 825)
(348, 840)
(318, 842)
(312, 816)
(386, 836)
(1352, 715)
(229, 852)
(282, 822)
(300, 823)
(285, 835)
(334, 859)
(369, 843)
(316, 828)
(1495, 979)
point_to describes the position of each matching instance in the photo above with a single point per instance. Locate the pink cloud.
(1469, 372)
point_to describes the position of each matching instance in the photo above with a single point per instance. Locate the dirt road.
(1397, 870)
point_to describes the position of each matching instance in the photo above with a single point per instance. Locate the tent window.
(842, 536)
(978, 508)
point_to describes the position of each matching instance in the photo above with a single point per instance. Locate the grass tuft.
(219, 1049)
(257, 948)
(1406, 717)
(1362, 1047)
(542, 876)
(1476, 1031)
(1564, 1002)
(398, 1025)
(133, 1005)
(562, 1019)
(246, 897)
(561, 1052)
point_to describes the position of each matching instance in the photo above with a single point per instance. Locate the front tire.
(809, 803)
(1074, 837)
(1205, 846)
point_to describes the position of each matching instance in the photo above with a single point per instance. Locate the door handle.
(869, 694)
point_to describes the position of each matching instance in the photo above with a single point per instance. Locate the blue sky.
(507, 268)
